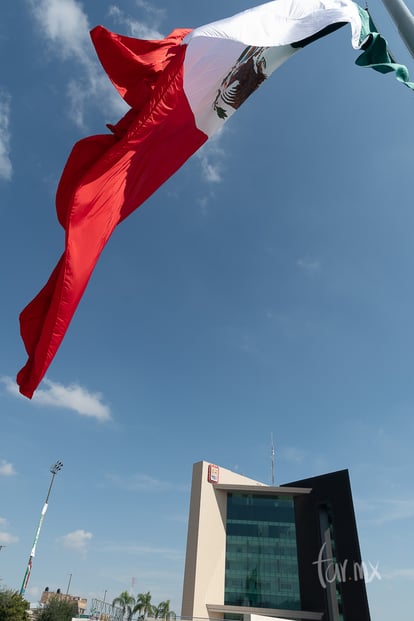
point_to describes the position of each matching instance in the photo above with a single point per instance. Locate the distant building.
(288, 552)
(81, 602)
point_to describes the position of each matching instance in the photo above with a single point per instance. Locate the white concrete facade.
(204, 578)
(206, 541)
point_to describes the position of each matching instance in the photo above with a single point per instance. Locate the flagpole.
(54, 470)
(404, 20)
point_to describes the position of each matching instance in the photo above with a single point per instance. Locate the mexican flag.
(180, 91)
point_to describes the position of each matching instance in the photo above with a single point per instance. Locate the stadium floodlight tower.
(54, 470)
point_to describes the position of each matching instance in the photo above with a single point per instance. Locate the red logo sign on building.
(213, 473)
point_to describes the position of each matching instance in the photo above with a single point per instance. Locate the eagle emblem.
(245, 77)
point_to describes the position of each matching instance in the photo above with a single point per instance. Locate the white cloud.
(64, 24)
(5, 162)
(79, 92)
(35, 592)
(10, 385)
(65, 28)
(72, 397)
(396, 509)
(147, 29)
(146, 550)
(203, 201)
(6, 538)
(156, 12)
(291, 454)
(399, 573)
(211, 157)
(308, 265)
(143, 483)
(77, 540)
(386, 510)
(6, 469)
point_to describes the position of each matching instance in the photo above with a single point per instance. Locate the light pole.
(70, 580)
(54, 470)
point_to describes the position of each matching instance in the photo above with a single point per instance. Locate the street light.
(54, 470)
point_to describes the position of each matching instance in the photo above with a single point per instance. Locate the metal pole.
(54, 470)
(404, 20)
(70, 580)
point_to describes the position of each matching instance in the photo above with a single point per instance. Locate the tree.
(12, 606)
(127, 604)
(163, 611)
(57, 609)
(143, 605)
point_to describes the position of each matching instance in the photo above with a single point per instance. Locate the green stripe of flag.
(376, 54)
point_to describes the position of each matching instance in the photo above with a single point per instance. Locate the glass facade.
(261, 554)
(328, 536)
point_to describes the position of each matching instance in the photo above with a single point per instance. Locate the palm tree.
(127, 604)
(143, 605)
(162, 611)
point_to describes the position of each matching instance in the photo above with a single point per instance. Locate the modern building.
(288, 552)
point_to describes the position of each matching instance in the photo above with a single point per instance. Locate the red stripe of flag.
(107, 177)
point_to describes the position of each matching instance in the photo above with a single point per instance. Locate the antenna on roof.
(273, 459)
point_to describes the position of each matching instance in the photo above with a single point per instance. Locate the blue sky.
(266, 288)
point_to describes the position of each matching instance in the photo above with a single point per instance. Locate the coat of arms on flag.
(180, 90)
